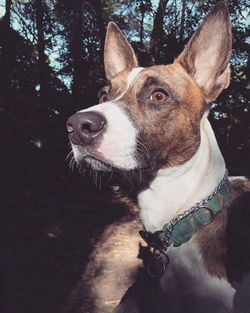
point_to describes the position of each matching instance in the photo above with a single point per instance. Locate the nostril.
(87, 127)
(94, 124)
(70, 129)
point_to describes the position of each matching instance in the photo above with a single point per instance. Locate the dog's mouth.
(98, 163)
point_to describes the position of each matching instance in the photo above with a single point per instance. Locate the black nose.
(85, 127)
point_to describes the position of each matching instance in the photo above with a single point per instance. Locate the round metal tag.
(157, 265)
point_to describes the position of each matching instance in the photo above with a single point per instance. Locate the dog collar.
(185, 225)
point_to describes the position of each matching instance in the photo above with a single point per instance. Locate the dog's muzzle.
(85, 127)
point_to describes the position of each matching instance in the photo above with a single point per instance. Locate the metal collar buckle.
(152, 239)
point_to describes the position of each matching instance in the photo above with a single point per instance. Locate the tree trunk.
(42, 58)
(77, 51)
(100, 23)
(158, 33)
(5, 127)
(6, 75)
(175, 17)
(183, 12)
(142, 23)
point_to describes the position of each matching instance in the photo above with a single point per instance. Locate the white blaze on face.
(118, 144)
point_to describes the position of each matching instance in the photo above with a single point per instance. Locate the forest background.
(51, 65)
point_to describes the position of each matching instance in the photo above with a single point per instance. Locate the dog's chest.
(188, 287)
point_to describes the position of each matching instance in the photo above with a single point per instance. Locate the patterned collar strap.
(184, 226)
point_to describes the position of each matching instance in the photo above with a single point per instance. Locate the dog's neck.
(174, 190)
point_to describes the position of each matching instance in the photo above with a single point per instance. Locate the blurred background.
(51, 65)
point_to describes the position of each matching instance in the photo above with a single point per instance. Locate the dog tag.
(157, 264)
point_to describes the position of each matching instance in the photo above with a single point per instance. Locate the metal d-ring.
(211, 214)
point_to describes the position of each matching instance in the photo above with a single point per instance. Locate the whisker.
(72, 163)
(143, 148)
(69, 154)
(111, 174)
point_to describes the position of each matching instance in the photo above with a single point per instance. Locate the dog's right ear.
(118, 53)
(208, 52)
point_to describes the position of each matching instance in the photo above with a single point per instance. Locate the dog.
(153, 122)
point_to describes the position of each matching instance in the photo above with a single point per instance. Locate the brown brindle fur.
(170, 131)
(175, 124)
(212, 238)
(211, 243)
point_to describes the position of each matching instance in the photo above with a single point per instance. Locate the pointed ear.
(118, 53)
(208, 52)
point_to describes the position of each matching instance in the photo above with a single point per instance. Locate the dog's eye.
(158, 96)
(103, 97)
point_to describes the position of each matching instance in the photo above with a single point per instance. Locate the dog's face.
(149, 118)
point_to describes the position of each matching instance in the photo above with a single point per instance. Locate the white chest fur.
(188, 287)
(186, 284)
(176, 189)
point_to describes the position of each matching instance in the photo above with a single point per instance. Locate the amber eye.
(158, 96)
(103, 97)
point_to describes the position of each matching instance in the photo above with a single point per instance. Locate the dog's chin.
(84, 159)
(98, 164)
(101, 165)
(141, 176)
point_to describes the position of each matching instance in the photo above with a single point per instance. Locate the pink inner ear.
(205, 65)
(118, 53)
(119, 62)
(208, 53)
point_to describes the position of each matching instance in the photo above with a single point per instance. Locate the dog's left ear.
(208, 52)
(118, 53)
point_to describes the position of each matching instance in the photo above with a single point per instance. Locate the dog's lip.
(72, 139)
(99, 159)
(114, 167)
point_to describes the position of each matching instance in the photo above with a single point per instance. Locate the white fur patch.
(118, 144)
(232, 178)
(131, 77)
(176, 189)
(188, 287)
(119, 139)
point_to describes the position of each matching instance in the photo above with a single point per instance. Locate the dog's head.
(149, 118)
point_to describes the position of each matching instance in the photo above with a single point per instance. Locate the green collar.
(184, 226)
